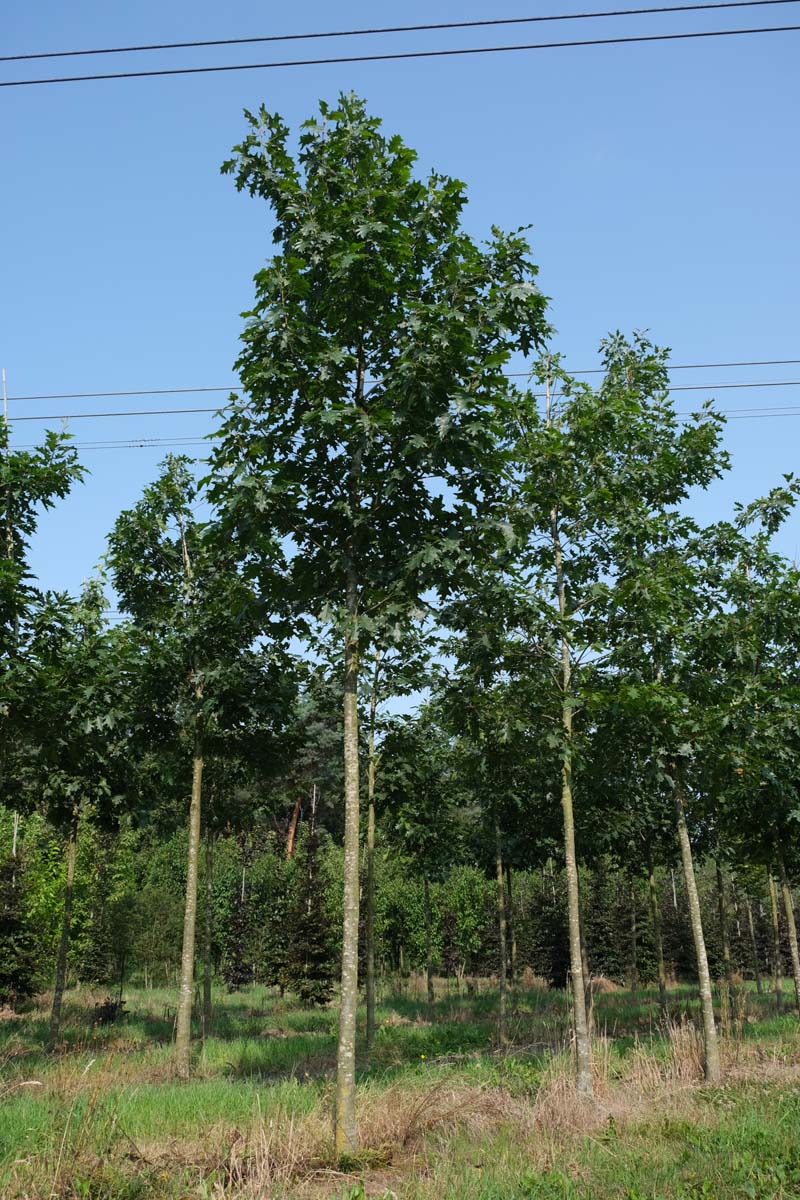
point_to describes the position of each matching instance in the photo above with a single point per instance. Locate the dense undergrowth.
(444, 1111)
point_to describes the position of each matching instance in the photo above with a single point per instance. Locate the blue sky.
(661, 182)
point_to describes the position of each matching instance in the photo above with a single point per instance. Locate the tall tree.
(373, 360)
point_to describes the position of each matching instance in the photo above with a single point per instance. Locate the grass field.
(444, 1112)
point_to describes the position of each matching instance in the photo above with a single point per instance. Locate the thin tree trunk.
(634, 944)
(790, 921)
(753, 944)
(345, 1133)
(428, 941)
(14, 849)
(583, 1049)
(503, 932)
(712, 1065)
(63, 945)
(369, 923)
(183, 1033)
(723, 926)
(587, 977)
(582, 1042)
(655, 917)
(292, 835)
(777, 966)
(512, 928)
(209, 930)
(729, 993)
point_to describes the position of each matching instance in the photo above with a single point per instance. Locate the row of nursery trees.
(385, 513)
(271, 911)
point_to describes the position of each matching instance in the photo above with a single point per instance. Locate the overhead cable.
(141, 443)
(489, 22)
(163, 412)
(174, 391)
(400, 55)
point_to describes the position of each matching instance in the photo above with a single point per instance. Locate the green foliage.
(311, 962)
(17, 946)
(30, 480)
(524, 560)
(373, 360)
(467, 902)
(419, 791)
(191, 644)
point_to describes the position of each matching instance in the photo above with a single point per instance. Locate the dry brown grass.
(406, 1125)
(395, 1125)
(393, 1020)
(532, 982)
(410, 1126)
(602, 986)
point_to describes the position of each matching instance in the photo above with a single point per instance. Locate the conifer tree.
(18, 972)
(311, 965)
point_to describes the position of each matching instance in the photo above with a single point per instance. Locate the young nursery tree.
(372, 364)
(400, 665)
(30, 481)
(752, 652)
(197, 620)
(72, 759)
(600, 475)
(423, 798)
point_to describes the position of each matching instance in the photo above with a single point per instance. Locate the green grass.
(446, 1112)
(751, 1150)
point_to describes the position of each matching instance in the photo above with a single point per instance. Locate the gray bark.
(790, 921)
(345, 1132)
(512, 929)
(753, 945)
(634, 963)
(183, 1034)
(209, 930)
(428, 942)
(63, 945)
(723, 926)
(655, 917)
(503, 936)
(369, 922)
(583, 1048)
(777, 965)
(712, 1065)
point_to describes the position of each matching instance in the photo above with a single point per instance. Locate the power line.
(715, 387)
(764, 362)
(136, 443)
(143, 443)
(442, 25)
(395, 57)
(137, 392)
(773, 411)
(136, 412)
(163, 412)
